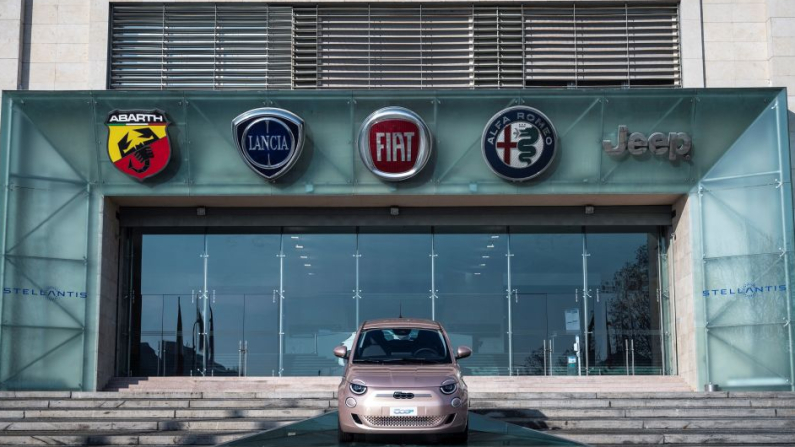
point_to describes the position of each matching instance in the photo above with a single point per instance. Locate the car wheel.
(343, 436)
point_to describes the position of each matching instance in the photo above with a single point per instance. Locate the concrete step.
(149, 414)
(676, 438)
(6, 404)
(114, 438)
(690, 424)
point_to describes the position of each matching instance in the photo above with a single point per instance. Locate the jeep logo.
(674, 144)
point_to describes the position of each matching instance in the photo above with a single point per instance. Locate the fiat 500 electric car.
(402, 378)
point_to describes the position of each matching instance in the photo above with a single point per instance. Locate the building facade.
(231, 188)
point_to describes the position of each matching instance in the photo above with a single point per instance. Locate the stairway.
(603, 411)
(644, 418)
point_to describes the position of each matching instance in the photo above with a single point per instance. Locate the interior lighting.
(307, 265)
(299, 246)
(490, 246)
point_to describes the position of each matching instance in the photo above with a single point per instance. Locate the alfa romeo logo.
(270, 140)
(519, 143)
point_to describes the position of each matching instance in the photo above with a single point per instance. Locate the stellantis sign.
(675, 144)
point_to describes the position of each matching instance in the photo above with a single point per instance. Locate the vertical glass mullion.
(508, 292)
(585, 296)
(281, 305)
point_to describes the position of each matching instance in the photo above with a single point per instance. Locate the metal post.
(551, 348)
(510, 315)
(545, 357)
(660, 257)
(585, 296)
(239, 358)
(205, 257)
(433, 277)
(626, 355)
(245, 357)
(281, 306)
(357, 293)
(632, 352)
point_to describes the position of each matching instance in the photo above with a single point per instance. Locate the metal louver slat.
(201, 46)
(335, 45)
(623, 45)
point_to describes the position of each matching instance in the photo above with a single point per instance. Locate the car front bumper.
(428, 412)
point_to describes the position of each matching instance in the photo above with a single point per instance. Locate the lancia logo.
(270, 140)
(138, 142)
(394, 143)
(519, 143)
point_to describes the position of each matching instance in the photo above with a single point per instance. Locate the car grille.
(404, 421)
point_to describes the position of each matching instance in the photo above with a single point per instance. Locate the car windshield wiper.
(419, 360)
(390, 360)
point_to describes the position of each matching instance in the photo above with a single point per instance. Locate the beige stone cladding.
(681, 279)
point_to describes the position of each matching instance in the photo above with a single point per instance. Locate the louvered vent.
(364, 46)
(370, 46)
(201, 46)
(624, 46)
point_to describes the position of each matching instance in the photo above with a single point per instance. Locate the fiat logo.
(394, 143)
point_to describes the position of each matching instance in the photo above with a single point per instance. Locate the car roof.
(419, 323)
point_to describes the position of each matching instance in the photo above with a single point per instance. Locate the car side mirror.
(341, 351)
(462, 352)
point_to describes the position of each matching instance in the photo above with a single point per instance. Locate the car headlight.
(449, 388)
(358, 388)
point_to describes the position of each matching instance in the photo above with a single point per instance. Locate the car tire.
(343, 436)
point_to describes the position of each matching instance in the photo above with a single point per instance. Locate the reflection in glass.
(319, 312)
(624, 310)
(471, 286)
(546, 274)
(395, 274)
(277, 304)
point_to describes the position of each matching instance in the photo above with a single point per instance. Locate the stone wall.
(681, 280)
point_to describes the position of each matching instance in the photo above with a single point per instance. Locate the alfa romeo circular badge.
(519, 143)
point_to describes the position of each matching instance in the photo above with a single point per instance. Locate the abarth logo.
(394, 143)
(270, 140)
(138, 143)
(519, 143)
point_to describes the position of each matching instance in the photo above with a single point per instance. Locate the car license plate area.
(402, 411)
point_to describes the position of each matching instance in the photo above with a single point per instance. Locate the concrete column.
(681, 280)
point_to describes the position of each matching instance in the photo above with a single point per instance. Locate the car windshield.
(401, 345)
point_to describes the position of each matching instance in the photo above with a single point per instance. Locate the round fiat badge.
(394, 143)
(519, 143)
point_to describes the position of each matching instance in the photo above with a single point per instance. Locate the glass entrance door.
(527, 300)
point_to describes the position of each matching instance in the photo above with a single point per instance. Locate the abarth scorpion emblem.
(138, 142)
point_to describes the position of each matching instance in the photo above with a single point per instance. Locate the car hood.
(402, 376)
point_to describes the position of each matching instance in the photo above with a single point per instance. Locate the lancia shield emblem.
(138, 142)
(394, 143)
(519, 143)
(269, 139)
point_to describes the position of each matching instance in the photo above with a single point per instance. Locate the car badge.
(519, 143)
(394, 143)
(138, 142)
(270, 140)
